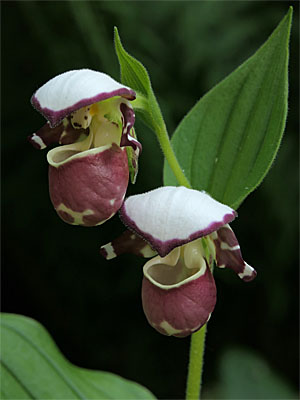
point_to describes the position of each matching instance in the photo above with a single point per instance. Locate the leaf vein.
(55, 367)
(10, 371)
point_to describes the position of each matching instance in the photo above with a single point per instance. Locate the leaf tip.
(289, 18)
(117, 41)
(290, 13)
(116, 35)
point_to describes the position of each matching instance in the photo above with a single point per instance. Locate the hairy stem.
(168, 151)
(196, 364)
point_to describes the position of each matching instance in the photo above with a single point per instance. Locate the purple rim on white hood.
(142, 212)
(67, 92)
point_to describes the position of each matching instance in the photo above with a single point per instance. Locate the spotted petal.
(169, 216)
(228, 253)
(75, 89)
(64, 133)
(128, 242)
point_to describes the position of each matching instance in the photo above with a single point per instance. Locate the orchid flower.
(90, 114)
(189, 230)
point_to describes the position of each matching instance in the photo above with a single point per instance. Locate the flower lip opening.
(181, 265)
(170, 275)
(61, 156)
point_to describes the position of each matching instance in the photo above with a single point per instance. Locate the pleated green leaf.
(135, 75)
(32, 367)
(228, 141)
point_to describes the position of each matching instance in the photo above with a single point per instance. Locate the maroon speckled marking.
(186, 308)
(62, 134)
(65, 216)
(230, 258)
(90, 182)
(128, 242)
(55, 117)
(164, 247)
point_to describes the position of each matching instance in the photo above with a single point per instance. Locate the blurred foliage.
(244, 375)
(52, 272)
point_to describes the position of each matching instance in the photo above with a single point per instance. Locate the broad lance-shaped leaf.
(33, 368)
(135, 75)
(228, 141)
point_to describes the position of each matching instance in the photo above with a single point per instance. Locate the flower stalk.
(164, 141)
(142, 103)
(195, 370)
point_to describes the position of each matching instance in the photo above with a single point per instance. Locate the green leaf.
(245, 375)
(135, 75)
(33, 368)
(228, 141)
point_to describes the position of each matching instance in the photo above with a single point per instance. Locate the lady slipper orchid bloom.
(90, 114)
(189, 230)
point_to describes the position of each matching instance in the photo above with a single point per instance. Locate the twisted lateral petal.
(128, 242)
(128, 119)
(129, 139)
(133, 156)
(72, 90)
(87, 187)
(228, 253)
(177, 300)
(64, 133)
(169, 216)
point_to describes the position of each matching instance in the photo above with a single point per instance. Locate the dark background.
(52, 271)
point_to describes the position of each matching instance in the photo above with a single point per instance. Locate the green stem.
(196, 365)
(142, 103)
(168, 151)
